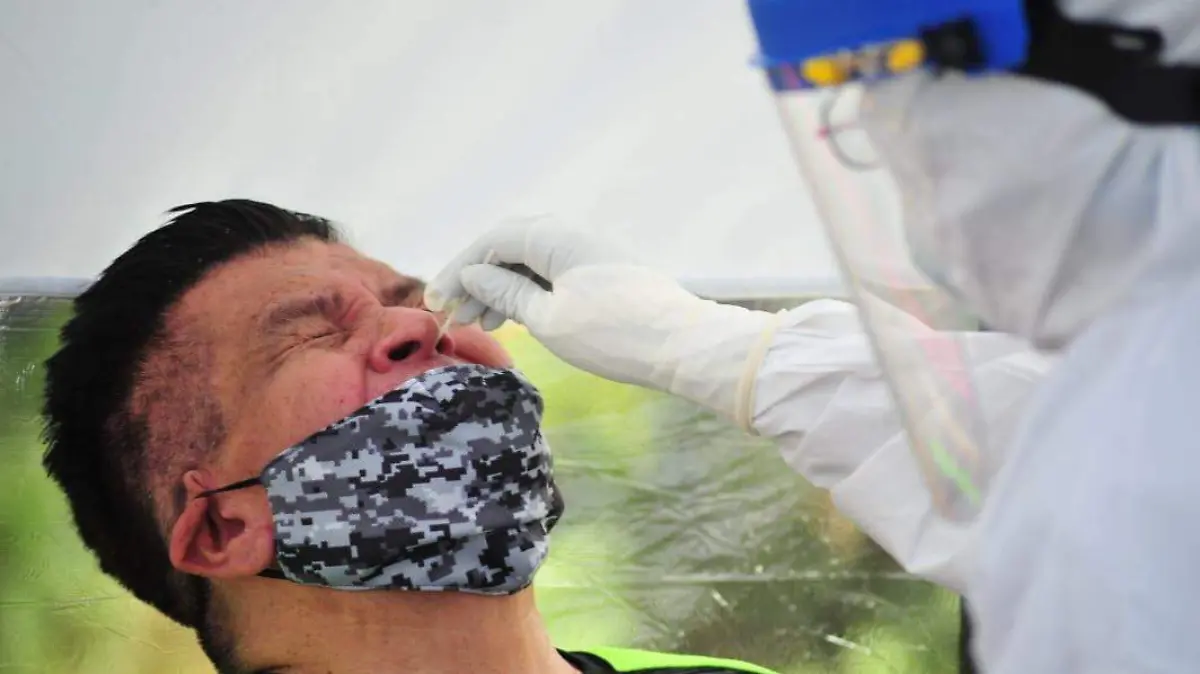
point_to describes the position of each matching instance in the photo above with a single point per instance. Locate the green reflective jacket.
(609, 660)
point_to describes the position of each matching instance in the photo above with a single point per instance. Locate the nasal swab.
(450, 308)
(453, 305)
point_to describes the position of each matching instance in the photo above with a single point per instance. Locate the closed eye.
(327, 336)
(315, 338)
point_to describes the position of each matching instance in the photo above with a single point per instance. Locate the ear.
(222, 536)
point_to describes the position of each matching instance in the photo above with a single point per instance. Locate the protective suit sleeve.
(820, 396)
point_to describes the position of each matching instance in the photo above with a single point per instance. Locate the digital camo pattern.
(442, 484)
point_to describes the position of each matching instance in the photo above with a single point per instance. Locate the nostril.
(404, 350)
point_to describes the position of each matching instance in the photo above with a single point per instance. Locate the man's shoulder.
(600, 660)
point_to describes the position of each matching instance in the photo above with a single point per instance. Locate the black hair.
(100, 449)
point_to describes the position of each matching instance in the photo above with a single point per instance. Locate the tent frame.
(719, 289)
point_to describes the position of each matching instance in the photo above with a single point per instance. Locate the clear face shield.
(917, 330)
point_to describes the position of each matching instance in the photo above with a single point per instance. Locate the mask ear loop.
(271, 571)
(244, 484)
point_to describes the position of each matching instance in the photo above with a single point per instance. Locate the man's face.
(306, 333)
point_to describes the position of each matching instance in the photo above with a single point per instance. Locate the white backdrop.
(414, 123)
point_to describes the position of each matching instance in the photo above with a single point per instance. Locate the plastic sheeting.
(680, 534)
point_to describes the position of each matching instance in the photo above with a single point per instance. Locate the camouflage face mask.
(442, 484)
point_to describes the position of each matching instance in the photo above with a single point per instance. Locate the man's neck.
(338, 632)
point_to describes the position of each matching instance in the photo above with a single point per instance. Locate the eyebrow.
(401, 292)
(330, 302)
(290, 310)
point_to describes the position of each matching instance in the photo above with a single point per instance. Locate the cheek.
(324, 396)
(472, 344)
(300, 401)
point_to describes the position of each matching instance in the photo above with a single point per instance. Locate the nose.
(407, 336)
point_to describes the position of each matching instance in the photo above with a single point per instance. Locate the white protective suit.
(805, 378)
(1055, 220)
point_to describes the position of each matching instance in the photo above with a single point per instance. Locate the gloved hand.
(607, 315)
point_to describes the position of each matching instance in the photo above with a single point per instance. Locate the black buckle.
(1121, 66)
(953, 46)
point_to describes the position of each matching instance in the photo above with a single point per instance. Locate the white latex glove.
(608, 316)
